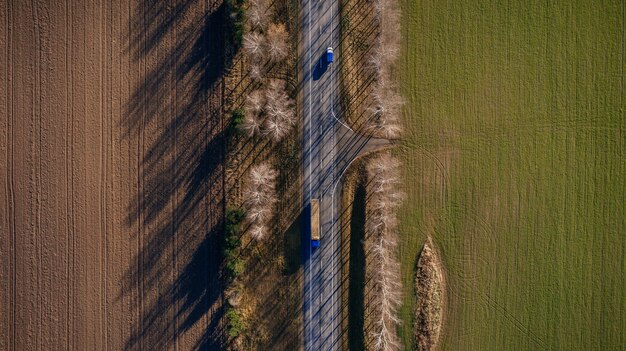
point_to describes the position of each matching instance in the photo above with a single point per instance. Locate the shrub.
(234, 216)
(237, 121)
(236, 14)
(233, 264)
(232, 242)
(234, 267)
(234, 323)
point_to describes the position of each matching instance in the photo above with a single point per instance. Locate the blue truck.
(329, 55)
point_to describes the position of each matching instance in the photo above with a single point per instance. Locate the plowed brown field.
(111, 181)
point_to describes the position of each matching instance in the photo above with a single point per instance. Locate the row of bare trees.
(260, 197)
(386, 102)
(269, 110)
(382, 243)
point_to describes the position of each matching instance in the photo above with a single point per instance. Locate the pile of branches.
(260, 198)
(381, 242)
(269, 110)
(386, 102)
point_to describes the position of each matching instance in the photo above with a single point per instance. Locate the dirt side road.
(110, 175)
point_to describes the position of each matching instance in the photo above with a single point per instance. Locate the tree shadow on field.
(174, 122)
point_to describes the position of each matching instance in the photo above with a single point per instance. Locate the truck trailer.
(315, 223)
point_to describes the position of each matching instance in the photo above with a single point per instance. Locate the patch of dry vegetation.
(371, 100)
(430, 290)
(383, 117)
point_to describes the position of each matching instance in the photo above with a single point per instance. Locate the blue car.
(329, 55)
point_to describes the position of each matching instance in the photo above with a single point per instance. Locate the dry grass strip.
(430, 291)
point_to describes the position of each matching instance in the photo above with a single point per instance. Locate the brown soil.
(112, 182)
(430, 290)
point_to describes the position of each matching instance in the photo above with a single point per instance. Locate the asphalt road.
(329, 146)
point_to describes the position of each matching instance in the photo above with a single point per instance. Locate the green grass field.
(515, 163)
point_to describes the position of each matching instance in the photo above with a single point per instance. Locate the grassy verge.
(514, 163)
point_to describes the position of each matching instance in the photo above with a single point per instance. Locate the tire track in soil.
(8, 219)
(104, 152)
(140, 185)
(10, 199)
(69, 166)
(25, 206)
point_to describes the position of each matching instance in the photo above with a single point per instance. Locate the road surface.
(329, 146)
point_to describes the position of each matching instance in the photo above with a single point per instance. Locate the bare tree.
(257, 232)
(255, 102)
(258, 13)
(260, 197)
(252, 122)
(263, 176)
(254, 45)
(279, 108)
(384, 110)
(381, 240)
(257, 71)
(277, 42)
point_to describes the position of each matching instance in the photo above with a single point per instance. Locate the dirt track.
(112, 182)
